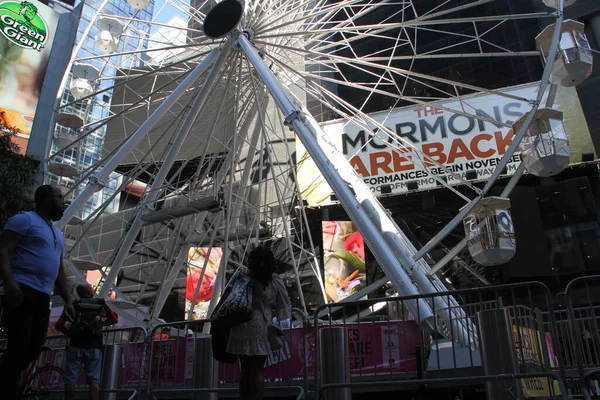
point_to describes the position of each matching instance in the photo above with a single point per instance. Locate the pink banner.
(380, 347)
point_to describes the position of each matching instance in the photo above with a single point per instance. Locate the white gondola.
(554, 3)
(80, 88)
(62, 170)
(107, 40)
(83, 77)
(545, 148)
(63, 139)
(574, 60)
(489, 231)
(139, 4)
(69, 120)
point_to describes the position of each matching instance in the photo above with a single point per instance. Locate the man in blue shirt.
(31, 251)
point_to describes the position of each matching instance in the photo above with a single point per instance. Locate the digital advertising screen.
(344, 260)
(26, 35)
(200, 281)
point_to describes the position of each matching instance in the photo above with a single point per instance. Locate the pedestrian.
(31, 264)
(164, 334)
(250, 340)
(85, 345)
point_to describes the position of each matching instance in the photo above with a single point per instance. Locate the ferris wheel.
(207, 114)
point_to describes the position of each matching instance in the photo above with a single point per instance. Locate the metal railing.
(383, 347)
(386, 348)
(180, 361)
(396, 385)
(124, 370)
(59, 394)
(583, 299)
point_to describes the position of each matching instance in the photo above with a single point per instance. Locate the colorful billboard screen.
(344, 258)
(94, 278)
(200, 282)
(26, 35)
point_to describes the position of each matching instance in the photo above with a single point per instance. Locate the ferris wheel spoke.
(327, 10)
(244, 152)
(82, 137)
(399, 71)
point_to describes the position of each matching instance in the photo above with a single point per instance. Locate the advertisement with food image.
(26, 35)
(344, 258)
(203, 265)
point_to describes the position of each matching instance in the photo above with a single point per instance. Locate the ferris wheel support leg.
(364, 210)
(97, 180)
(155, 189)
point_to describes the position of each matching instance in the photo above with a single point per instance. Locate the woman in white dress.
(250, 340)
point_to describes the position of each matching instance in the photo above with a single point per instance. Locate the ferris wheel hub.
(223, 18)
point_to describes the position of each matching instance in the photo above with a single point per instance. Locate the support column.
(334, 365)
(498, 354)
(42, 131)
(374, 223)
(205, 370)
(110, 370)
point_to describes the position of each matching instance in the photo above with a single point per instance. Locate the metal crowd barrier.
(123, 363)
(582, 298)
(375, 345)
(395, 385)
(382, 345)
(180, 362)
(130, 394)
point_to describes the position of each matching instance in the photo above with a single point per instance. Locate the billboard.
(94, 278)
(200, 281)
(344, 260)
(26, 34)
(458, 142)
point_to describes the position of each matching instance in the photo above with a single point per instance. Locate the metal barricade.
(129, 394)
(390, 353)
(124, 358)
(180, 362)
(582, 298)
(122, 369)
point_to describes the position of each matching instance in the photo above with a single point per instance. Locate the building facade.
(93, 111)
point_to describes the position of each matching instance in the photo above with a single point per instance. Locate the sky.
(164, 14)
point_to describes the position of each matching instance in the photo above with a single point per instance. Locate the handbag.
(274, 332)
(235, 306)
(276, 339)
(220, 337)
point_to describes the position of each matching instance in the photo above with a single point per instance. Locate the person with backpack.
(85, 345)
